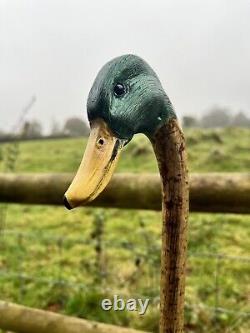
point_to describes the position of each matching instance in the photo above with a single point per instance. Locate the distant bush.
(240, 120)
(190, 121)
(216, 117)
(75, 127)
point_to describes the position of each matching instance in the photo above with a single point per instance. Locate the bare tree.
(55, 128)
(240, 120)
(31, 129)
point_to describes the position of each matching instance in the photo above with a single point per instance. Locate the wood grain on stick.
(169, 147)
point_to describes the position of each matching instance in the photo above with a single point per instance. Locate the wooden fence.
(21, 319)
(213, 192)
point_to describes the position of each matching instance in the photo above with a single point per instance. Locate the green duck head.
(126, 98)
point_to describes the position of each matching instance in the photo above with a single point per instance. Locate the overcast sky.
(53, 49)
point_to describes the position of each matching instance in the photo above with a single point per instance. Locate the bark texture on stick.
(21, 319)
(169, 147)
(209, 192)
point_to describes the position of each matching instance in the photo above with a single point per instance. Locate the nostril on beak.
(66, 203)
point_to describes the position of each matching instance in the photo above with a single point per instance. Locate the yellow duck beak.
(97, 166)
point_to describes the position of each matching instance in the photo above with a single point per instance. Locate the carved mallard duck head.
(126, 98)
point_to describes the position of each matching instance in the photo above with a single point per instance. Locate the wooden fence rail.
(21, 319)
(213, 192)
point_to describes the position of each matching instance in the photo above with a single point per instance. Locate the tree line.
(75, 126)
(217, 117)
(33, 129)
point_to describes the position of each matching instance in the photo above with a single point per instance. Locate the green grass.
(208, 151)
(42, 245)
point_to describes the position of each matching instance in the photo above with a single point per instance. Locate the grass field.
(67, 261)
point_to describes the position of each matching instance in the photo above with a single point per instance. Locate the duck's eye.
(119, 89)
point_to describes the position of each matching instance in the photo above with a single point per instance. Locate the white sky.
(54, 48)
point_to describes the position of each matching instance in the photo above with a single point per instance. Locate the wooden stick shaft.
(169, 147)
